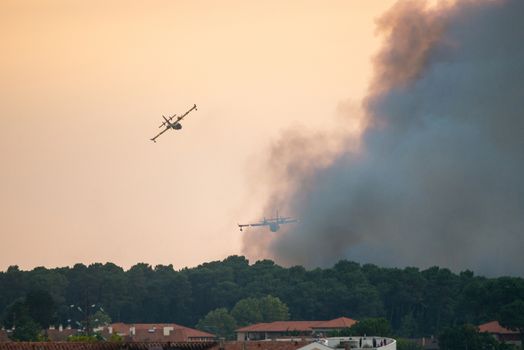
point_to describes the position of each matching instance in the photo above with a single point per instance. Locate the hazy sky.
(83, 85)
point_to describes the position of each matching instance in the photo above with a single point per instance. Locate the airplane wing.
(252, 225)
(285, 220)
(259, 224)
(183, 115)
(160, 133)
(241, 226)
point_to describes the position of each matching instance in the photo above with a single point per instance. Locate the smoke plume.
(437, 176)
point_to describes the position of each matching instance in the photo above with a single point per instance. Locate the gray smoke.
(439, 176)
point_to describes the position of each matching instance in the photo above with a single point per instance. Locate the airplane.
(172, 125)
(273, 223)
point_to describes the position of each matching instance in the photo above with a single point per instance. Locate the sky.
(83, 86)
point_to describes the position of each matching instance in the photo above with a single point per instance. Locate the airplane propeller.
(170, 119)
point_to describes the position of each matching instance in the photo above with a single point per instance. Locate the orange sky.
(83, 85)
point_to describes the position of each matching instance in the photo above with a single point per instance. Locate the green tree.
(218, 322)
(371, 327)
(18, 317)
(406, 344)
(28, 316)
(408, 326)
(254, 310)
(466, 337)
(14, 313)
(85, 338)
(26, 330)
(512, 317)
(247, 311)
(115, 338)
(273, 309)
(99, 318)
(41, 307)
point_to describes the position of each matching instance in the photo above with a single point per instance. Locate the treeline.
(414, 302)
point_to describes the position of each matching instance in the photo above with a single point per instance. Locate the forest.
(414, 302)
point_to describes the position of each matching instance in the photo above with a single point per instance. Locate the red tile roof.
(106, 346)
(119, 328)
(3, 336)
(261, 345)
(281, 326)
(301, 326)
(337, 323)
(495, 328)
(155, 332)
(60, 335)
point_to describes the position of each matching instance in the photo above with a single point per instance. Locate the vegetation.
(414, 302)
(406, 344)
(29, 315)
(255, 310)
(85, 338)
(468, 337)
(115, 338)
(219, 322)
(245, 312)
(371, 326)
(512, 317)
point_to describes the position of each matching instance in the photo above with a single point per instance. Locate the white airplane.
(273, 223)
(172, 125)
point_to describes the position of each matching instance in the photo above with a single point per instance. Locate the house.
(107, 345)
(155, 332)
(336, 324)
(61, 333)
(500, 333)
(283, 329)
(4, 336)
(336, 343)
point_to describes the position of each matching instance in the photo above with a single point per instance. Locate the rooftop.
(124, 328)
(301, 326)
(337, 323)
(495, 328)
(280, 326)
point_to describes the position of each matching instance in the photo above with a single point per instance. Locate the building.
(156, 332)
(336, 324)
(136, 332)
(4, 336)
(430, 343)
(337, 343)
(61, 333)
(500, 333)
(286, 329)
(47, 345)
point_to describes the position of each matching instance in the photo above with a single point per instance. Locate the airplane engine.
(177, 126)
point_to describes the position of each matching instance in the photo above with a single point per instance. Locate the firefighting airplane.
(273, 223)
(172, 125)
